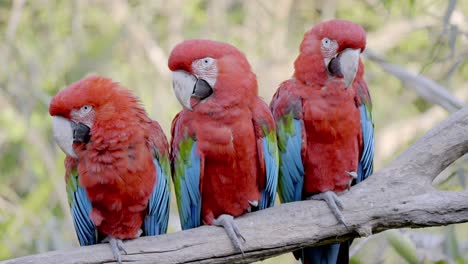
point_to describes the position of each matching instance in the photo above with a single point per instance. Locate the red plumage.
(325, 98)
(227, 145)
(332, 133)
(332, 136)
(116, 167)
(226, 128)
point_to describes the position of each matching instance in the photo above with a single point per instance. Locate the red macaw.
(117, 163)
(224, 150)
(324, 124)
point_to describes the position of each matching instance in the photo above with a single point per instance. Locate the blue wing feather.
(291, 167)
(189, 191)
(366, 164)
(158, 205)
(270, 154)
(80, 207)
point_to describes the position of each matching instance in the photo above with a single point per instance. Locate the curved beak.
(186, 86)
(67, 132)
(345, 65)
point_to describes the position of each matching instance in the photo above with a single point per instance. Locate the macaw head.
(330, 50)
(85, 104)
(206, 70)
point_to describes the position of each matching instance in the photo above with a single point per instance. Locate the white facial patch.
(206, 69)
(328, 48)
(84, 114)
(63, 135)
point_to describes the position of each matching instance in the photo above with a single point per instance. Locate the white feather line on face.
(63, 135)
(83, 115)
(328, 49)
(206, 69)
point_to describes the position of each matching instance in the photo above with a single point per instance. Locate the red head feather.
(105, 96)
(309, 65)
(185, 53)
(235, 80)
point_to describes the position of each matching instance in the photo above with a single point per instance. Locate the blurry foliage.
(403, 246)
(47, 44)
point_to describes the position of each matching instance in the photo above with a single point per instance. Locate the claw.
(352, 174)
(232, 230)
(116, 246)
(139, 232)
(333, 202)
(254, 203)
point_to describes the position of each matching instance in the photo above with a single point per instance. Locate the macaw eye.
(85, 109)
(326, 42)
(207, 61)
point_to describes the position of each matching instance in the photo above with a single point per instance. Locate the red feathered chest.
(227, 145)
(118, 174)
(332, 141)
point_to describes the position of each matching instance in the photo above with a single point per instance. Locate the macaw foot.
(139, 232)
(353, 175)
(334, 202)
(232, 230)
(116, 246)
(253, 206)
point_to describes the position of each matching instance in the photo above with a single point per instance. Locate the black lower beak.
(202, 89)
(334, 67)
(80, 133)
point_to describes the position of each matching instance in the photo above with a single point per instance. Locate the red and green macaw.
(324, 124)
(117, 163)
(224, 150)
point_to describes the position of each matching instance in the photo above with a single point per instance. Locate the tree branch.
(425, 87)
(400, 195)
(394, 135)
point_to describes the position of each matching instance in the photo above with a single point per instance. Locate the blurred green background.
(48, 44)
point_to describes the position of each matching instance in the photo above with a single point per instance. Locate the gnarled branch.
(400, 195)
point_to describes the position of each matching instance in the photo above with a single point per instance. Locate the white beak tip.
(188, 105)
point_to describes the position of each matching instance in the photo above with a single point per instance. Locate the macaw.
(324, 124)
(117, 168)
(224, 153)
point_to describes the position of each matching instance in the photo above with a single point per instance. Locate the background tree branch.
(425, 87)
(400, 195)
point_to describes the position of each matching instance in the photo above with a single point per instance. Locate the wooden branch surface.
(400, 195)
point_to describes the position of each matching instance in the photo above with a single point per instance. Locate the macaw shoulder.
(157, 139)
(262, 117)
(288, 99)
(71, 164)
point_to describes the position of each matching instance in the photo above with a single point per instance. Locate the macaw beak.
(186, 86)
(345, 65)
(67, 132)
